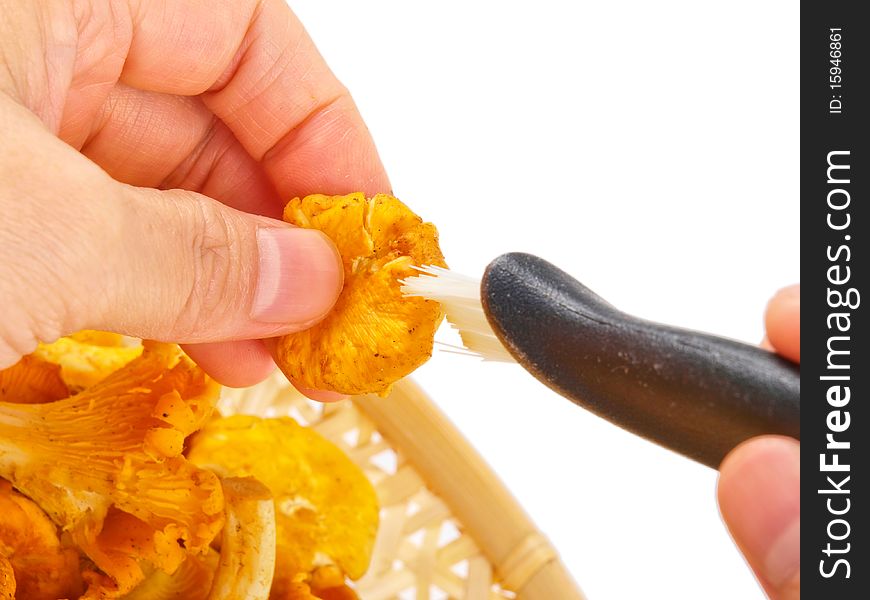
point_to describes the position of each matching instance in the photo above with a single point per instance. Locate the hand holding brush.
(697, 394)
(709, 398)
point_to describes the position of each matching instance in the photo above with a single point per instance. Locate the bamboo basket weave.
(449, 528)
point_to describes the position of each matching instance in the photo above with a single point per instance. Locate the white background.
(648, 148)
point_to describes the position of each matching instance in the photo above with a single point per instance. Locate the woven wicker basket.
(449, 528)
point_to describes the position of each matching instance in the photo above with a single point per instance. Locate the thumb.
(88, 252)
(193, 270)
(759, 496)
(80, 250)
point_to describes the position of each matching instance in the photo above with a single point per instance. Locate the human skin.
(147, 150)
(759, 481)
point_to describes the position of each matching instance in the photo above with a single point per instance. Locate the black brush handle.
(694, 393)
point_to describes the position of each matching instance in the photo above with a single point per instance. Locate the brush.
(695, 393)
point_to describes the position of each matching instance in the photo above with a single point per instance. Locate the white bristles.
(460, 297)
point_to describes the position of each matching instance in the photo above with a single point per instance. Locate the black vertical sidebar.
(835, 372)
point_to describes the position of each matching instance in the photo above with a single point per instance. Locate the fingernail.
(300, 276)
(759, 494)
(783, 558)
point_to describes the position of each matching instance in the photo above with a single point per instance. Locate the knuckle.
(215, 244)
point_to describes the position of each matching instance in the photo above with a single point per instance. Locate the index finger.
(261, 74)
